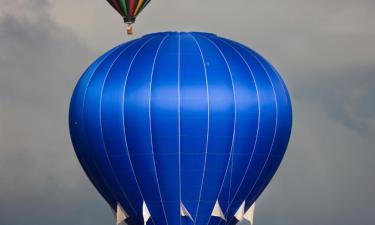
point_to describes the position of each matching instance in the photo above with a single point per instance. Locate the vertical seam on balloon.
(83, 108)
(150, 124)
(278, 78)
(285, 95)
(123, 120)
(208, 125)
(276, 122)
(101, 125)
(179, 120)
(90, 74)
(230, 177)
(235, 116)
(258, 124)
(105, 182)
(284, 87)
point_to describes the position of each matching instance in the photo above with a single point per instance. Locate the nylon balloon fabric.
(129, 9)
(177, 122)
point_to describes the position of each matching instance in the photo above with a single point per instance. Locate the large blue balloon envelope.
(180, 128)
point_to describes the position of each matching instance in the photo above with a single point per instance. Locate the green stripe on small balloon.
(123, 5)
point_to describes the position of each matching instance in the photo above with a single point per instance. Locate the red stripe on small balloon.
(131, 7)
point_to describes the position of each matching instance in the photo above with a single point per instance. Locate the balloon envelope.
(177, 124)
(129, 9)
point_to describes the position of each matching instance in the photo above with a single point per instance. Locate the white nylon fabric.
(121, 215)
(185, 212)
(240, 212)
(217, 212)
(146, 213)
(249, 215)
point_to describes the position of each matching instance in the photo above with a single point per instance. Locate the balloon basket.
(129, 29)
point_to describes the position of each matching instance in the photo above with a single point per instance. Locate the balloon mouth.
(129, 20)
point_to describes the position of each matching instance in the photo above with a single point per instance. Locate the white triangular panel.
(146, 213)
(121, 215)
(249, 215)
(217, 212)
(240, 212)
(185, 212)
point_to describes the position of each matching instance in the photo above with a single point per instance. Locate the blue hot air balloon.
(180, 128)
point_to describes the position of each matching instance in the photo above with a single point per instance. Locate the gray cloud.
(324, 49)
(41, 181)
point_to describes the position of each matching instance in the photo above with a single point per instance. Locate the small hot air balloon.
(180, 128)
(129, 10)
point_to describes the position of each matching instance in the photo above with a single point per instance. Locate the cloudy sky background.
(325, 50)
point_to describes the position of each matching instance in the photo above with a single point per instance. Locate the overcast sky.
(325, 50)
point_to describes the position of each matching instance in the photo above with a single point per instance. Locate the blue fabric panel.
(221, 126)
(78, 134)
(113, 128)
(194, 121)
(138, 129)
(246, 100)
(92, 114)
(265, 136)
(282, 133)
(165, 125)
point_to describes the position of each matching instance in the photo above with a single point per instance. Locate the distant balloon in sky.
(129, 10)
(180, 128)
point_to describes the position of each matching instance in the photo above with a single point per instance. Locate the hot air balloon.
(180, 128)
(129, 10)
